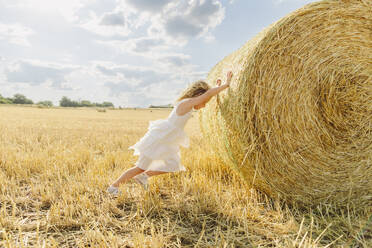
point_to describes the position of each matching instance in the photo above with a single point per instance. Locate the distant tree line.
(67, 102)
(161, 106)
(64, 102)
(16, 99)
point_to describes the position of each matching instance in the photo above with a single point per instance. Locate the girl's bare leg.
(154, 173)
(128, 174)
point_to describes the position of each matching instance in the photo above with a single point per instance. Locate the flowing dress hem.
(160, 164)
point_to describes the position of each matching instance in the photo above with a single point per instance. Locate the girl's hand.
(228, 78)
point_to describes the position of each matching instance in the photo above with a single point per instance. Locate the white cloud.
(142, 11)
(145, 85)
(147, 5)
(186, 20)
(156, 52)
(40, 80)
(129, 77)
(143, 46)
(33, 72)
(108, 24)
(299, 1)
(176, 22)
(15, 34)
(66, 8)
(3, 65)
(175, 60)
(113, 19)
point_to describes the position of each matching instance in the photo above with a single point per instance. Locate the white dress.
(161, 143)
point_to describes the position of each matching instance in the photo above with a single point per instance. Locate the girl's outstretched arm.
(204, 98)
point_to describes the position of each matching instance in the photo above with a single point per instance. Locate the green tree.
(21, 99)
(4, 100)
(86, 103)
(46, 103)
(107, 104)
(65, 102)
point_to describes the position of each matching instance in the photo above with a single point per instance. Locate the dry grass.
(296, 122)
(55, 165)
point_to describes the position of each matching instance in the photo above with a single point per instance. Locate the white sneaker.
(142, 179)
(114, 191)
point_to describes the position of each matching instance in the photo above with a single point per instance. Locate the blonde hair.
(193, 90)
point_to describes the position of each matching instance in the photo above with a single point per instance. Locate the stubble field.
(55, 165)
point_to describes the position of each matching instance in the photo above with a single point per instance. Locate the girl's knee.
(139, 169)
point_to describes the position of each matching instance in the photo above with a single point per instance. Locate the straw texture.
(296, 122)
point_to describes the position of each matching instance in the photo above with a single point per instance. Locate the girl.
(158, 149)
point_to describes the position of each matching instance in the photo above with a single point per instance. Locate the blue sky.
(131, 52)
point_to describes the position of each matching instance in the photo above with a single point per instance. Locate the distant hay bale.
(296, 122)
(102, 110)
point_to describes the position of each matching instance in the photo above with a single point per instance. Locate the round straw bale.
(296, 122)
